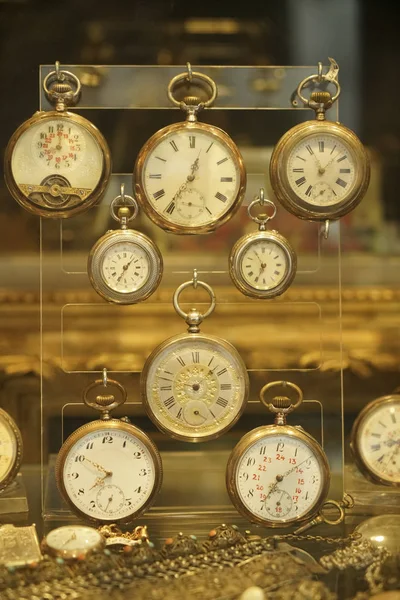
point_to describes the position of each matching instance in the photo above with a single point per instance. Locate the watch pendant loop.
(127, 207)
(194, 318)
(187, 80)
(281, 405)
(104, 401)
(58, 89)
(262, 218)
(320, 77)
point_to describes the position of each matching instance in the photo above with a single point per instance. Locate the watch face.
(108, 471)
(10, 449)
(73, 540)
(376, 439)
(195, 387)
(278, 477)
(51, 152)
(320, 169)
(125, 266)
(263, 264)
(190, 177)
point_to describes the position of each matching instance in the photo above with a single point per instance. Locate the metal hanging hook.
(195, 278)
(122, 193)
(325, 229)
(105, 377)
(319, 72)
(189, 76)
(58, 72)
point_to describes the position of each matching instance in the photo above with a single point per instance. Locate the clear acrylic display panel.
(293, 337)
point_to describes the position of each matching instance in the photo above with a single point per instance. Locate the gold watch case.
(49, 205)
(100, 425)
(139, 187)
(12, 472)
(78, 553)
(383, 401)
(236, 266)
(253, 437)
(279, 179)
(103, 245)
(175, 343)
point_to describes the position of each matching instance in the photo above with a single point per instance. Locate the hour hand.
(54, 190)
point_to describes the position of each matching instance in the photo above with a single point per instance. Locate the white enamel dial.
(108, 474)
(320, 170)
(57, 147)
(73, 539)
(125, 267)
(279, 478)
(264, 264)
(378, 440)
(8, 449)
(195, 387)
(191, 177)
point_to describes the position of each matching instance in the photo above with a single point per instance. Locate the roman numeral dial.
(189, 178)
(320, 170)
(195, 388)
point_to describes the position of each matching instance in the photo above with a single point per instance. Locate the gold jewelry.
(319, 169)
(190, 177)
(124, 265)
(194, 386)
(262, 264)
(57, 163)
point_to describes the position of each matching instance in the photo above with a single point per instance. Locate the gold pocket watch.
(124, 265)
(262, 264)
(108, 470)
(278, 475)
(189, 177)
(319, 169)
(194, 386)
(73, 542)
(375, 440)
(57, 163)
(11, 450)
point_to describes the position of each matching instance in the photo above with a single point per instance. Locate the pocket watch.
(11, 450)
(262, 264)
(190, 177)
(73, 542)
(278, 475)
(375, 440)
(124, 265)
(194, 386)
(108, 470)
(319, 169)
(57, 163)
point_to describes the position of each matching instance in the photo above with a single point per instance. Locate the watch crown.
(321, 97)
(61, 88)
(105, 399)
(124, 211)
(192, 100)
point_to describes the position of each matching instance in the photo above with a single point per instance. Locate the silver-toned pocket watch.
(189, 177)
(262, 264)
(194, 386)
(57, 163)
(124, 265)
(319, 169)
(278, 475)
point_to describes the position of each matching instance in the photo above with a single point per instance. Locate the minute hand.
(296, 467)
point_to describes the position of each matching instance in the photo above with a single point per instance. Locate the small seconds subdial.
(195, 388)
(378, 440)
(320, 170)
(279, 478)
(59, 146)
(125, 267)
(264, 264)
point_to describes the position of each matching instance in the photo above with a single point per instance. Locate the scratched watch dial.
(376, 440)
(195, 387)
(108, 471)
(189, 178)
(278, 477)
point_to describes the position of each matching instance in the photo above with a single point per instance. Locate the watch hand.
(99, 467)
(191, 204)
(292, 469)
(391, 457)
(108, 504)
(193, 168)
(54, 190)
(125, 268)
(73, 537)
(331, 161)
(258, 256)
(99, 481)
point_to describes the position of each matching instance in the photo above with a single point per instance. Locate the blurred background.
(297, 336)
